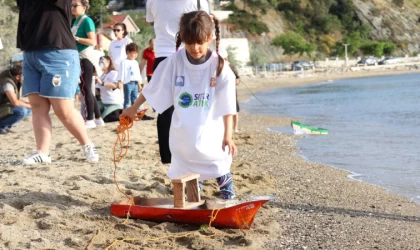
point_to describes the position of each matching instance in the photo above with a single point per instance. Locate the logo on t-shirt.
(185, 100)
(179, 81)
(201, 100)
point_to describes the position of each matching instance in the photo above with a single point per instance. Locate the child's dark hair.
(132, 47)
(16, 70)
(123, 26)
(195, 28)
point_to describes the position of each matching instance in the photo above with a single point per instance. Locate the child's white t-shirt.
(166, 16)
(197, 126)
(117, 51)
(130, 71)
(108, 95)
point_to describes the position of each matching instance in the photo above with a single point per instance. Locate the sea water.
(373, 123)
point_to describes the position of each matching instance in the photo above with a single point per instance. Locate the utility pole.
(345, 49)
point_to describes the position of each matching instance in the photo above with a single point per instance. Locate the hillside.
(371, 27)
(390, 22)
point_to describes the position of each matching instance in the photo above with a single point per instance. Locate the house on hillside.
(108, 33)
(229, 41)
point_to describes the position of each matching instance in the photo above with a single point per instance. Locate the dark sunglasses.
(74, 5)
(117, 30)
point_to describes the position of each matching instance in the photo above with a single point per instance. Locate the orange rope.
(124, 136)
(214, 213)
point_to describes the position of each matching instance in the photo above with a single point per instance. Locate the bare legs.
(64, 109)
(41, 122)
(235, 122)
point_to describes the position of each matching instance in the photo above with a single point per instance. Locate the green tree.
(354, 40)
(293, 43)
(232, 55)
(95, 11)
(331, 23)
(319, 10)
(389, 48)
(146, 30)
(327, 43)
(365, 30)
(373, 48)
(248, 22)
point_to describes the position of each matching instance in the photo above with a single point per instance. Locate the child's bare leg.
(235, 122)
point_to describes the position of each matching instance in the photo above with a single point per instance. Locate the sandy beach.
(63, 205)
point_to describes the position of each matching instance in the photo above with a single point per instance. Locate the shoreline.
(256, 84)
(63, 205)
(270, 83)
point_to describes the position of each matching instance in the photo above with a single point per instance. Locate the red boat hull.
(240, 216)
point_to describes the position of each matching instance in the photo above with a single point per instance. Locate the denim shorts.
(51, 73)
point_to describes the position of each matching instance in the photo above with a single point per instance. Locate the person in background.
(110, 95)
(129, 75)
(51, 71)
(200, 86)
(224, 54)
(84, 34)
(149, 59)
(165, 16)
(117, 47)
(12, 109)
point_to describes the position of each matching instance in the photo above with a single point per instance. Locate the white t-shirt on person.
(197, 126)
(130, 71)
(117, 51)
(109, 95)
(166, 14)
(6, 87)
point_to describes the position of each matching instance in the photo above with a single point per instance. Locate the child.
(201, 88)
(129, 75)
(110, 102)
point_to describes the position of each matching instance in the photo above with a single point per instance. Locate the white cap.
(223, 53)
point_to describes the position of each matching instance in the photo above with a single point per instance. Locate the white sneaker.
(99, 122)
(90, 124)
(37, 158)
(91, 154)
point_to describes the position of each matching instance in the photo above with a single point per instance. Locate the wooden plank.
(179, 195)
(189, 205)
(192, 191)
(185, 178)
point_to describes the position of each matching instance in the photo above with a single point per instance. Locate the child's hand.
(231, 145)
(120, 85)
(129, 112)
(140, 88)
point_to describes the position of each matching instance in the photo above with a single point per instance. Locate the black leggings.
(163, 126)
(113, 116)
(86, 87)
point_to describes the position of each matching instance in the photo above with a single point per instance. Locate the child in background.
(110, 102)
(201, 87)
(129, 75)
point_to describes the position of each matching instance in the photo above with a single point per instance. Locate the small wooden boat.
(238, 216)
(302, 129)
